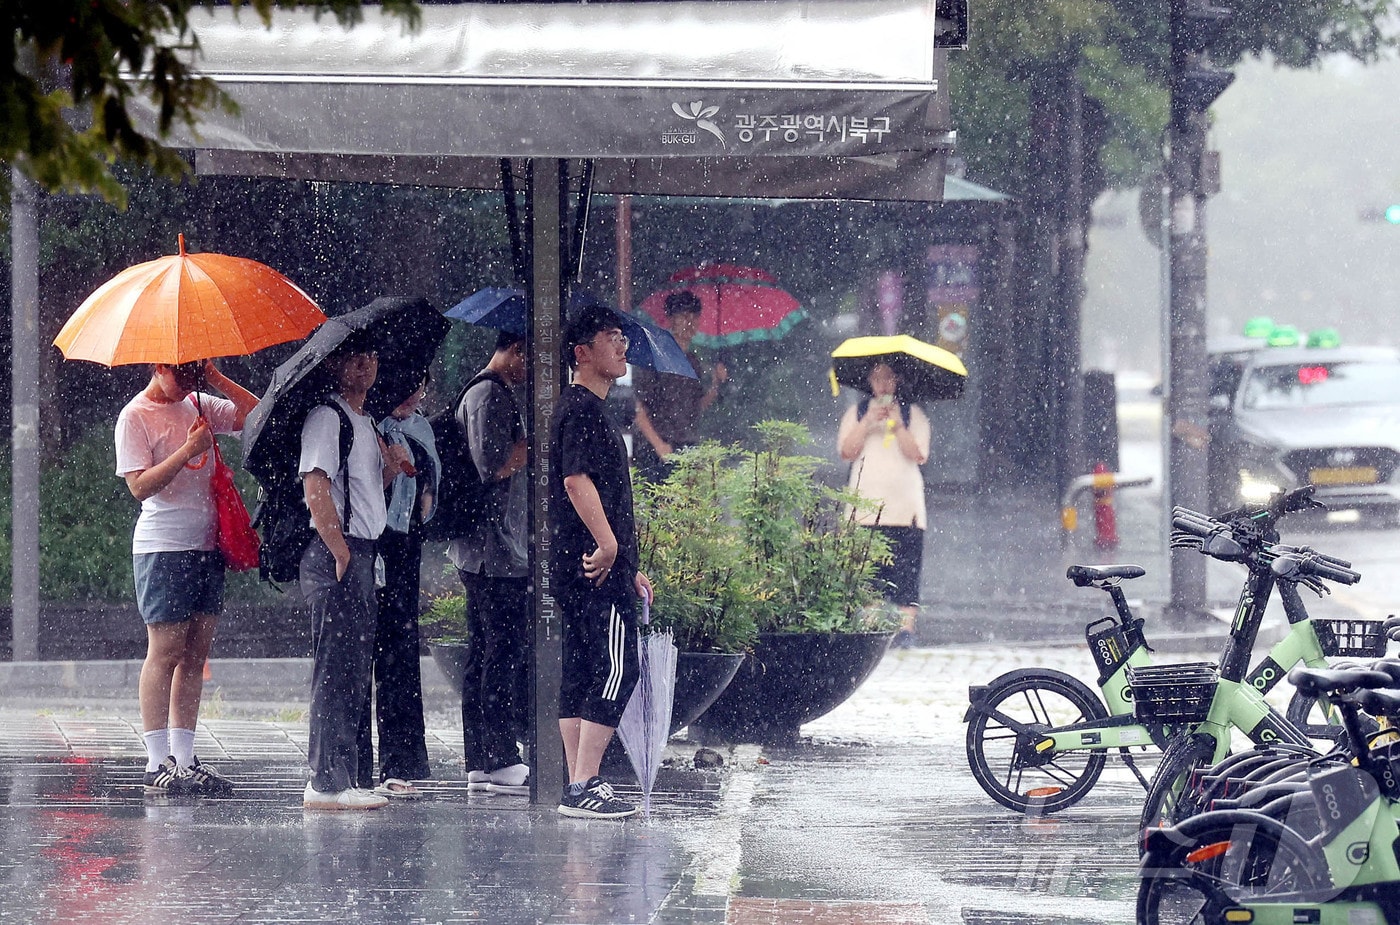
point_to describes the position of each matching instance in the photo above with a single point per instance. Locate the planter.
(790, 679)
(701, 678)
(451, 659)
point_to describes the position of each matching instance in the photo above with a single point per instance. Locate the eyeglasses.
(618, 339)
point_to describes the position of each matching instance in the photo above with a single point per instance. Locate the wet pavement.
(872, 817)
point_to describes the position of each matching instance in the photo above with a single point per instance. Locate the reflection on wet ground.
(83, 844)
(872, 818)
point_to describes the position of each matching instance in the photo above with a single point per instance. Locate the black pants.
(398, 683)
(342, 653)
(495, 683)
(650, 466)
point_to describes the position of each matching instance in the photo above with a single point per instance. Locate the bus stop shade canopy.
(814, 99)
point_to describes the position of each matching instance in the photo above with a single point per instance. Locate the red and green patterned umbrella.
(738, 304)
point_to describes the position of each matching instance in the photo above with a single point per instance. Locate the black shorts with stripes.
(600, 648)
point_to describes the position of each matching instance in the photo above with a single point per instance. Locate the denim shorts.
(172, 587)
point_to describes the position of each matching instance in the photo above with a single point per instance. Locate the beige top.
(892, 481)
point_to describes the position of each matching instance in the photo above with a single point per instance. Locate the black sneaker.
(206, 780)
(169, 779)
(596, 802)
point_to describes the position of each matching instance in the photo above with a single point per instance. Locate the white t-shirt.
(885, 475)
(320, 449)
(181, 515)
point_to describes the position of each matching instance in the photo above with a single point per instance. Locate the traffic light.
(1392, 214)
(1195, 85)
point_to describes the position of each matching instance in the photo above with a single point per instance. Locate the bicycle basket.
(1351, 638)
(1172, 693)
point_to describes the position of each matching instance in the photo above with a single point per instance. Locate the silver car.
(1288, 416)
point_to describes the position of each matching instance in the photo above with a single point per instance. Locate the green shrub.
(815, 567)
(740, 541)
(693, 555)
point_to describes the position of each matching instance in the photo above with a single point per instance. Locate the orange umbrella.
(185, 308)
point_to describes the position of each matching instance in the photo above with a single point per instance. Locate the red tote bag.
(238, 541)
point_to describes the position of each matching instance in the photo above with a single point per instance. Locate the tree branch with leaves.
(74, 67)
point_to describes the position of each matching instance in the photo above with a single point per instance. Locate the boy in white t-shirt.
(163, 439)
(337, 572)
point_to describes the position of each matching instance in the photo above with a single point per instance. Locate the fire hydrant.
(1105, 521)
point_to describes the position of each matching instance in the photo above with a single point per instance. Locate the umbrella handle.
(646, 609)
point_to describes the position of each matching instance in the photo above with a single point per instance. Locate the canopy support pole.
(24, 405)
(517, 245)
(585, 200)
(546, 193)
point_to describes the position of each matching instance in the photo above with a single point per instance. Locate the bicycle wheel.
(1218, 860)
(1019, 707)
(1168, 799)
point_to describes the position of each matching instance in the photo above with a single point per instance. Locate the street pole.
(24, 416)
(1194, 86)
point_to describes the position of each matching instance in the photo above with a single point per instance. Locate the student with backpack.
(337, 572)
(491, 558)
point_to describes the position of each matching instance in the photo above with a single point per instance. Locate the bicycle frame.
(1299, 644)
(1239, 700)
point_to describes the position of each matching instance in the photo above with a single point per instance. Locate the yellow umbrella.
(188, 307)
(925, 372)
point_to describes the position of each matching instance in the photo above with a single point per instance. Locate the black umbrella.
(406, 331)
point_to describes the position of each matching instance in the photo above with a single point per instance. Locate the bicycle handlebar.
(1303, 564)
(1240, 539)
(1195, 523)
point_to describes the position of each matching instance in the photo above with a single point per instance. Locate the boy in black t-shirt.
(594, 561)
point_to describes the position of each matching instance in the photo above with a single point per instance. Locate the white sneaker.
(478, 780)
(513, 779)
(351, 798)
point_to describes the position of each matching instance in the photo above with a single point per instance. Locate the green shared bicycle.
(1038, 739)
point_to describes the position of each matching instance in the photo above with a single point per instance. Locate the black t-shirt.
(586, 440)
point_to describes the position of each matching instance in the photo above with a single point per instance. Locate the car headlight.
(1261, 473)
(1255, 489)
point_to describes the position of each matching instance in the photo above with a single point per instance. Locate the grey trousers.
(342, 656)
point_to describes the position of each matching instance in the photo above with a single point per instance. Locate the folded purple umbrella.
(646, 722)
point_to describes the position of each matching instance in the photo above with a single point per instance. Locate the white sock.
(157, 747)
(182, 746)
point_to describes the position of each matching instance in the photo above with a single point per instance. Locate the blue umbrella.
(648, 345)
(493, 307)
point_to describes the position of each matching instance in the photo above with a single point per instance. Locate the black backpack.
(284, 520)
(463, 500)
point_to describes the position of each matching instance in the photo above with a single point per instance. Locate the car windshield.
(1306, 385)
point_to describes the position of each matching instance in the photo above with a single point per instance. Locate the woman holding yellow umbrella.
(885, 437)
(177, 313)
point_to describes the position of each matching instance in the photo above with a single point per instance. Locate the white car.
(1281, 417)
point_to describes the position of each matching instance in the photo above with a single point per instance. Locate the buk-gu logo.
(700, 114)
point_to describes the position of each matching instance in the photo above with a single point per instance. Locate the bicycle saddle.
(1390, 666)
(1380, 703)
(1085, 575)
(1315, 682)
